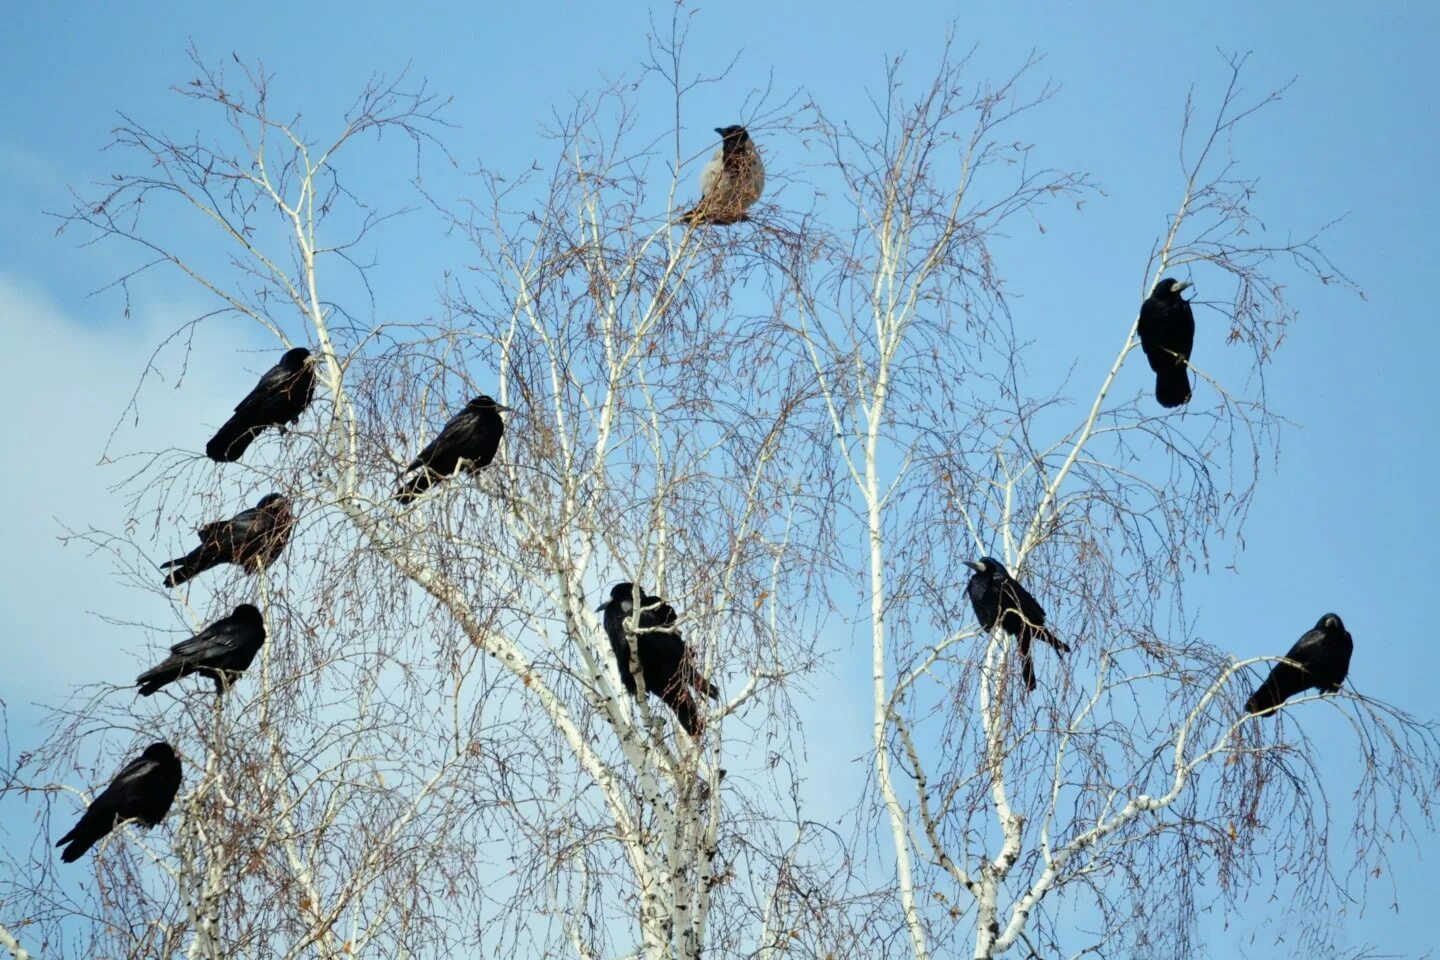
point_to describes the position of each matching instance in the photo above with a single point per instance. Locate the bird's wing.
(1311, 645)
(655, 612)
(749, 169)
(437, 452)
(271, 385)
(133, 773)
(1030, 609)
(237, 527)
(1150, 316)
(220, 637)
(710, 174)
(217, 531)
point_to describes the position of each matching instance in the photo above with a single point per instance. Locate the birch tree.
(1132, 777)
(435, 754)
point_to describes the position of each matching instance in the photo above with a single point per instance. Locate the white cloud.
(62, 385)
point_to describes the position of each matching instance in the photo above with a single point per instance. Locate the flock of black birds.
(641, 627)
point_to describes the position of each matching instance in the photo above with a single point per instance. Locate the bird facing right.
(667, 664)
(999, 598)
(279, 398)
(251, 538)
(1167, 335)
(143, 790)
(222, 651)
(733, 179)
(472, 436)
(1319, 659)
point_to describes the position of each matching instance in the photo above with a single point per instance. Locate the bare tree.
(1133, 774)
(435, 753)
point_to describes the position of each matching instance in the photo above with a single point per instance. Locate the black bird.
(472, 436)
(1167, 335)
(1320, 659)
(997, 596)
(222, 651)
(143, 790)
(670, 671)
(250, 538)
(279, 398)
(733, 179)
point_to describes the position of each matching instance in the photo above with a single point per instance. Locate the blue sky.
(1344, 522)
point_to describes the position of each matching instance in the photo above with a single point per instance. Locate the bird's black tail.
(704, 685)
(156, 677)
(232, 440)
(1027, 662)
(679, 700)
(411, 489)
(1049, 637)
(183, 568)
(82, 837)
(1172, 387)
(1265, 700)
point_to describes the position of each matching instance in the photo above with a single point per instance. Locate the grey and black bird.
(142, 791)
(471, 439)
(666, 663)
(999, 598)
(1319, 659)
(250, 539)
(732, 180)
(222, 651)
(279, 398)
(1167, 335)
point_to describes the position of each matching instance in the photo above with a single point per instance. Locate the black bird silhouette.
(250, 538)
(1167, 335)
(279, 398)
(143, 791)
(472, 436)
(1319, 659)
(222, 651)
(670, 671)
(732, 180)
(997, 596)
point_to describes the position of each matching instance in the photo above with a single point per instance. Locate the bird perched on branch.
(222, 651)
(279, 398)
(667, 665)
(470, 438)
(1167, 335)
(1319, 659)
(251, 538)
(999, 597)
(142, 791)
(732, 180)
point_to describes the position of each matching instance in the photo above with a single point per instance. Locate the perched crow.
(665, 661)
(471, 436)
(222, 651)
(142, 791)
(1167, 335)
(1320, 659)
(732, 180)
(250, 538)
(997, 596)
(279, 398)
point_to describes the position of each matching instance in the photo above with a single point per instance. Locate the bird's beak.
(1183, 284)
(974, 565)
(501, 406)
(720, 130)
(602, 606)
